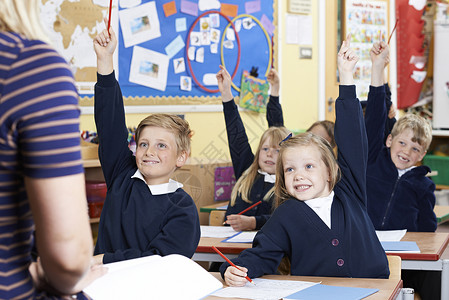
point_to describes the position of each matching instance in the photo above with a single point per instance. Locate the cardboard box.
(197, 176)
(89, 150)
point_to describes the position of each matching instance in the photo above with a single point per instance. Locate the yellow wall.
(299, 94)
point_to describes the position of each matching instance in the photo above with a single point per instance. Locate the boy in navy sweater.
(320, 223)
(400, 196)
(145, 212)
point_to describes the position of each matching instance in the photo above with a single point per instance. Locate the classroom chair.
(394, 263)
(216, 217)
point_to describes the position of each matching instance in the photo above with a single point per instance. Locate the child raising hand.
(320, 222)
(254, 172)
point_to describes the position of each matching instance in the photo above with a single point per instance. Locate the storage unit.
(441, 76)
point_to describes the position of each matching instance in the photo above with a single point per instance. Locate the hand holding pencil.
(234, 276)
(240, 222)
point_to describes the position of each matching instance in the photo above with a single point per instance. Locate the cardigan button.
(340, 262)
(335, 242)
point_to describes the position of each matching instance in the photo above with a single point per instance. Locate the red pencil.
(109, 19)
(394, 28)
(246, 209)
(231, 263)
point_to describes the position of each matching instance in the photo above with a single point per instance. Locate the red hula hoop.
(188, 43)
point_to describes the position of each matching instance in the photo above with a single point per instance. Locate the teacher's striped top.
(39, 138)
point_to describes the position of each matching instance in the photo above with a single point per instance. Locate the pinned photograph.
(195, 38)
(191, 53)
(139, 24)
(185, 83)
(214, 48)
(238, 25)
(228, 44)
(214, 20)
(204, 24)
(205, 38)
(248, 23)
(179, 65)
(215, 35)
(200, 55)
(149, 68)
(230, 34)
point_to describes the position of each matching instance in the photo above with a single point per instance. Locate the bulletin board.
(155, 37)
(367, 21)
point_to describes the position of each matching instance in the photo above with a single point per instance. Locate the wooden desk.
(442, 213)
(388, 288)
(204, 251)
(431, 244)
(215, 206)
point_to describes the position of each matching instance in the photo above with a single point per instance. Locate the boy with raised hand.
(400, 196)
(145, 212)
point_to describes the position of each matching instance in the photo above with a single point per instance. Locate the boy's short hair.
(174, 123)
(422, 131)
(329, 127)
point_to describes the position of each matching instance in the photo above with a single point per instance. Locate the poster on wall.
(367, 22)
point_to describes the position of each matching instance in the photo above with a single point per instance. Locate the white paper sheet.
(217, 231)
(265, 289)
(139, 24)
(390, 235)
(243, 237)
(149, 68)
(154, 277)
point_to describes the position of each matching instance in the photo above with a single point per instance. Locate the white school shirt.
(402, 172)
(322, 207)
(271, 178)
(159, 189)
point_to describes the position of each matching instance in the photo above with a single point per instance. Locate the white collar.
(321, 201)
(159, 189)
(271, 178)
(402, 172)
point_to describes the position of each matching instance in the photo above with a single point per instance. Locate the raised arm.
(376, 112)
(109, 110)
(239, 147)
(350, 132)
(274, 109)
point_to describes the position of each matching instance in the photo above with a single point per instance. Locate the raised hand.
(380, 57)
(224, 84)
(273, 79)
(104, 46)
(346, 61)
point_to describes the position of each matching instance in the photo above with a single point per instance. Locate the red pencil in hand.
(246, 209)
(231, 263)
(109, 19)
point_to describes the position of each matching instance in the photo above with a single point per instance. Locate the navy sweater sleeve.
(111, 127)
(239, 147)
(389, 122)
(375, 120)
(350, 136)
(427, 221)
(274, 112)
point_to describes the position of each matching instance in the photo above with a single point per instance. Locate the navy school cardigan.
(350, 248)
(242, 157)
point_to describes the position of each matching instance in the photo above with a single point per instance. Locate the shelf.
(437, 132)
(91, 163)
(94, 220)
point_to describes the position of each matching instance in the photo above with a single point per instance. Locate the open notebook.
(154, 277)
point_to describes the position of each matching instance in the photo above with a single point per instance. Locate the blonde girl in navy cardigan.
(254, 172)
(321, 223)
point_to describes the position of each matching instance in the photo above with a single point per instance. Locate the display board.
(156, 39)
(367, 21)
